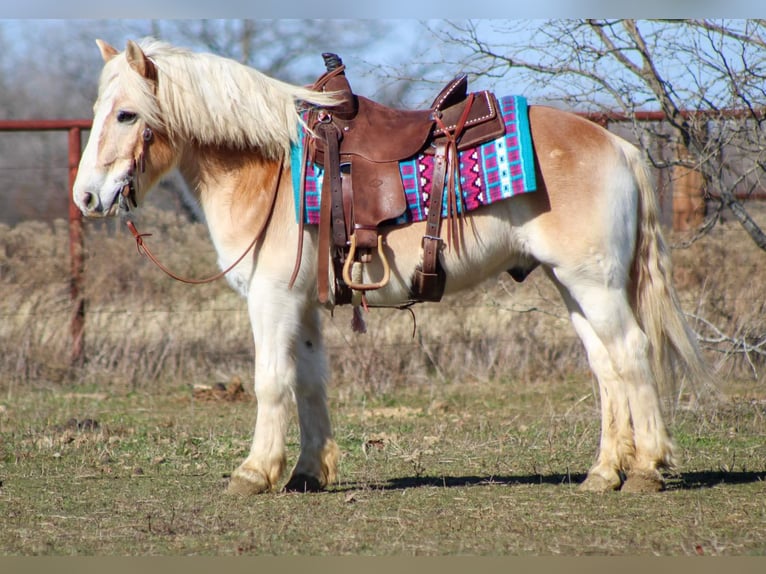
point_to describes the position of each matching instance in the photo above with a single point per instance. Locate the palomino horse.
(591, 225)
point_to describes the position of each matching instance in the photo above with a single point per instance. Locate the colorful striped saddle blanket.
(496, 170)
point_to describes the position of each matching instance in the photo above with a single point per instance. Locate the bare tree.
(706, 78)
(288, 49)
(58, 77)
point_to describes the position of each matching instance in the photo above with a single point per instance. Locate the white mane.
(213, 100)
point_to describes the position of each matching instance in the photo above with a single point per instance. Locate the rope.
(143, 249)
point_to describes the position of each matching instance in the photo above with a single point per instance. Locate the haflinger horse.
(591, 226)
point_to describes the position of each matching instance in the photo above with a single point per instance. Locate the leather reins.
(128, 197)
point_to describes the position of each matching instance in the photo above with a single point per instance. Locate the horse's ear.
(107, 51)
(139, 62)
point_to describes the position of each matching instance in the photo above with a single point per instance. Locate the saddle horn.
(331, 61)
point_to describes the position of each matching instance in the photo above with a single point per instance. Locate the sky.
(380, 9)
(396, 53)
(394, 49)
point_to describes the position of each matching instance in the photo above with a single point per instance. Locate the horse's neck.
(233, 188)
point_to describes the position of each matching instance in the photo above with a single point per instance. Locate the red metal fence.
(75, 127)
(76, 247)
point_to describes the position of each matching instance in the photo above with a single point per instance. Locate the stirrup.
(350, 259)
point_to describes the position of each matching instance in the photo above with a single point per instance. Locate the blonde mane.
(213, 100)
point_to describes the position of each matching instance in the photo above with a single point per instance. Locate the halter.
(128, 194)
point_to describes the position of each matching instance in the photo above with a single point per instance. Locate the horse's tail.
(673, 344)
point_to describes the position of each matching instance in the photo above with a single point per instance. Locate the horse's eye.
(126, 117)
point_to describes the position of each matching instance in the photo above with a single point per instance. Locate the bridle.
(128, 198)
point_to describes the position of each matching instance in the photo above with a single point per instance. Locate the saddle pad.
(490, 172)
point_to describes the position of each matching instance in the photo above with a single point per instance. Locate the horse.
(591, 225)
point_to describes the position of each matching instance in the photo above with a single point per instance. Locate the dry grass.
(467, 439)
(720, 279)
(143, 328)
(472, 469)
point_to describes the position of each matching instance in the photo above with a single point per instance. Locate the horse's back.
(585, 186)
(570, 149)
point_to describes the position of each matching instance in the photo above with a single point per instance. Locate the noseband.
(128, 194)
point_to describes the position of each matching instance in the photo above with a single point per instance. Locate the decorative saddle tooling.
(364, 166)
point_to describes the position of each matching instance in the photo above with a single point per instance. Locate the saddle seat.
(360, 143)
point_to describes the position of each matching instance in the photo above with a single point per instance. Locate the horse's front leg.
(290, 366)
(275, 320)
(317, 463)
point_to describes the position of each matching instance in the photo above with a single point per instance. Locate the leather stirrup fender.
(331, 190)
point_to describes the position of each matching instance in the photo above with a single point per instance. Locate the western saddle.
(360, 143)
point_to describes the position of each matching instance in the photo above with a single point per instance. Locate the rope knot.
(139, 237)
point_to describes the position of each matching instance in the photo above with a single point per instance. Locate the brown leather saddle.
(360, 143)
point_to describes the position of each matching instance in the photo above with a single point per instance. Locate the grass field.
(468, 438)
(482, 468)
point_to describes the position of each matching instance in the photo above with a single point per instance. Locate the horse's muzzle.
(91, 205)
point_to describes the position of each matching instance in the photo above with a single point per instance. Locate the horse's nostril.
(88, 200)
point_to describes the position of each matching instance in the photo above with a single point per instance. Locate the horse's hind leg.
(616, 435)
(634, 439)
(316, 466)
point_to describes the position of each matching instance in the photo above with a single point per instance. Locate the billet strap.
(332, 193)
(428, 281)
(432, 240)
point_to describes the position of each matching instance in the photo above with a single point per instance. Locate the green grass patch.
(482, 469)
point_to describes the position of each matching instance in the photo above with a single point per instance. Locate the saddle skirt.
(496, 170)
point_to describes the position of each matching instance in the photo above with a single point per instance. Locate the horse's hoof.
(246, 483)
(597, 483)
(644, 481)
(303, 483)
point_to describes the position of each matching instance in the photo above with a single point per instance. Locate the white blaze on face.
(105, 165)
